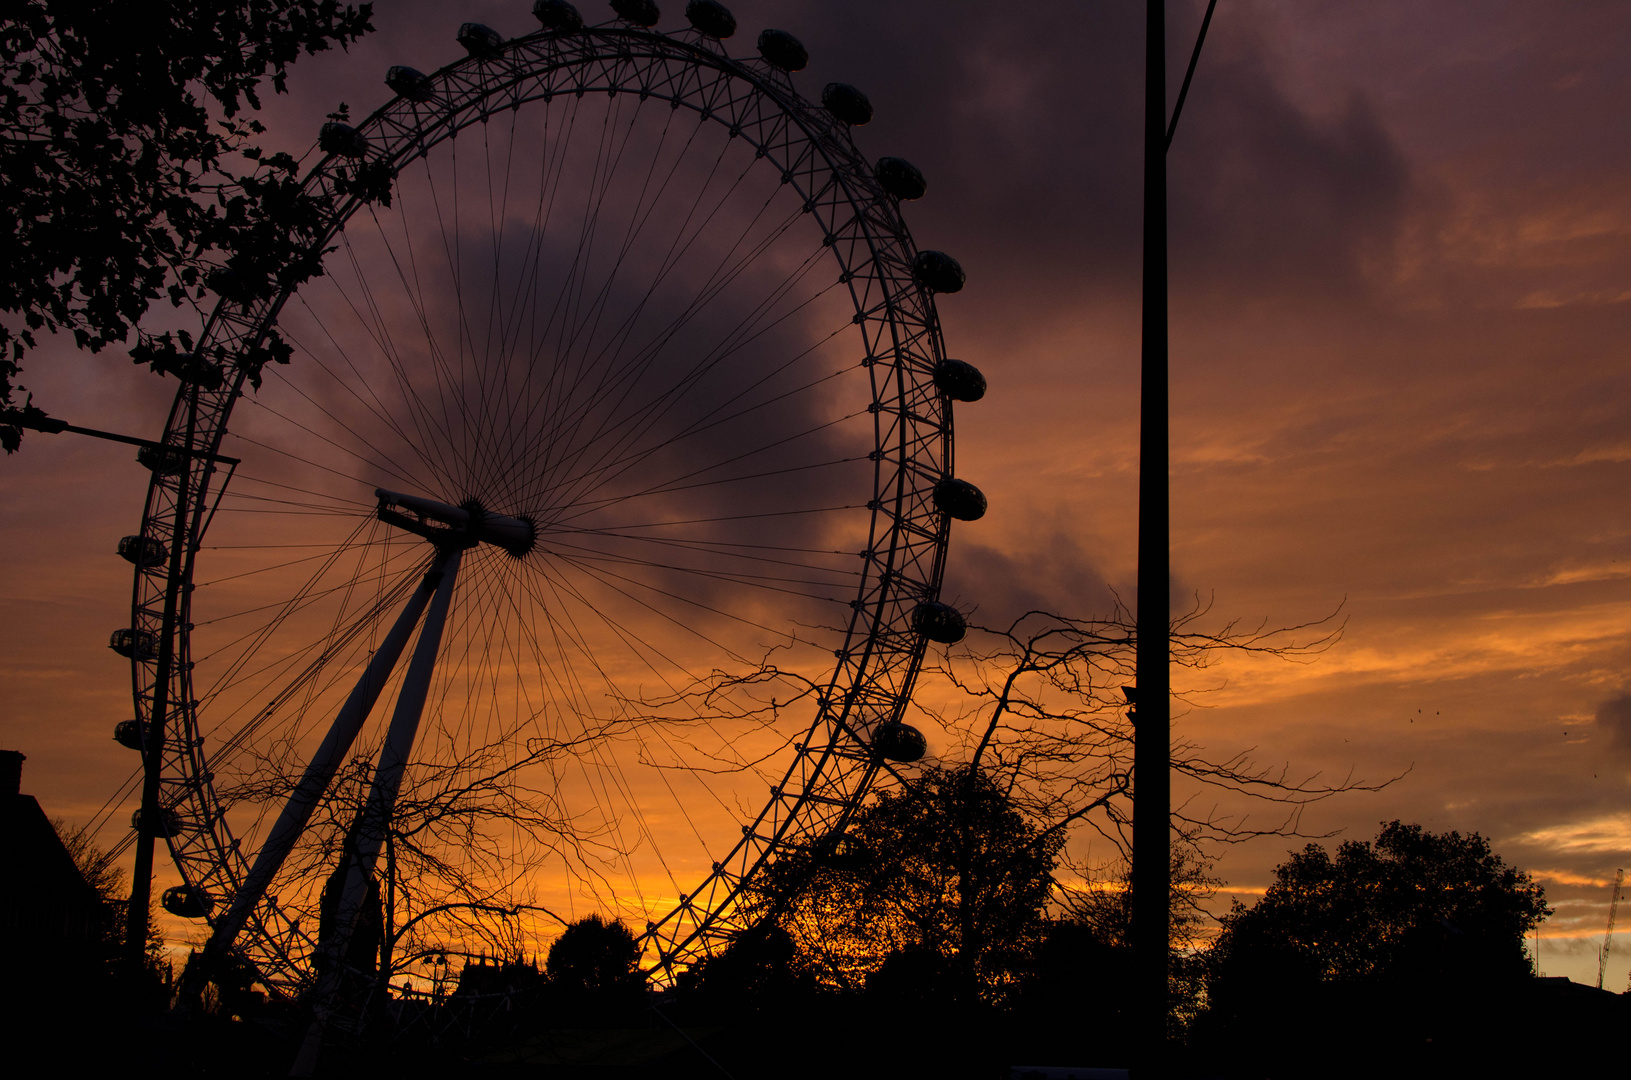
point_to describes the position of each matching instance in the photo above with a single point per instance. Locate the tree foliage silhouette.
(1407, 952)
(761, 970)
(1034, 712)
(1413, 905)
(939, 886)
(594, 969)
(101, 872)
(129, 175)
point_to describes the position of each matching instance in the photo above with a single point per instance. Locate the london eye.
(591, 505)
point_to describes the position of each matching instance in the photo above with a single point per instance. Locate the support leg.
(368, 835)
(312, 787)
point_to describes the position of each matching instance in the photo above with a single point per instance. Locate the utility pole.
(1152, 713)
(1152, 749)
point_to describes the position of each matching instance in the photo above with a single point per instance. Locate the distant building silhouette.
(48, 912)
(483, 977)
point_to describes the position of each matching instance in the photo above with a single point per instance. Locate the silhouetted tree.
(101, 872)
(1042, 722)
(121, 139)
(762, 969)
(1091, 933)
(1413, 904)
(1381, 942)
(465, 839)
(1044, 708)
(937, 890)
(594, 970)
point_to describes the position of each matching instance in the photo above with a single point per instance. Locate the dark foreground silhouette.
(1402, 958)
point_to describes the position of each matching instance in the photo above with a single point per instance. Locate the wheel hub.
(459, 526)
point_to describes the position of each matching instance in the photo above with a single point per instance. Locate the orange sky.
(1401, 295)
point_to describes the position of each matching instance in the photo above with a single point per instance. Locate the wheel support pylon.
(368, 835)
(314, 784)
(453, 530)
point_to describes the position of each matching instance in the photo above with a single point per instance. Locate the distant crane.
(1608, 938)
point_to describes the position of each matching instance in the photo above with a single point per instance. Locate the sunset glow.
(1401, 408)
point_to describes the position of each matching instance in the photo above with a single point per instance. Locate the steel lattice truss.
(903, 562)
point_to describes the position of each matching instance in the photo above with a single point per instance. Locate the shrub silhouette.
(593, 971)
(1402, 948)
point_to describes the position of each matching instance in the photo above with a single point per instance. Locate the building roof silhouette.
(46, 905)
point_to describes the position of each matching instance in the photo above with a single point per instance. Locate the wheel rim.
(892, 343)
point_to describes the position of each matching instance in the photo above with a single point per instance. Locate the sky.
(1400, 302)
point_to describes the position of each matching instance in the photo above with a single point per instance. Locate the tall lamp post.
(1152, 751)
(1152, 713)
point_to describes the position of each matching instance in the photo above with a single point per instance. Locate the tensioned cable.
(427, 441)
(327, 649)
(637, 221)
(693, 379)
(731, 517)
(603, 575)
(309, 354)
(304, 461)
(722, 555)
(632, 804)
(643, 417)
(755, 581)
(668, 487)
(703, 542)
(612, 374)
(259, 402)
(235, 673)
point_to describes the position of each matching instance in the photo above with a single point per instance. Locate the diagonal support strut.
(314, 784)
(368, 835)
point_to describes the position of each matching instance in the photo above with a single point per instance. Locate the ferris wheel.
(581, 541)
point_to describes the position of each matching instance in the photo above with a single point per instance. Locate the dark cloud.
(1054, 574)
(1028, 129)
(1030, 132)
(1266, 194)
(1614, 719)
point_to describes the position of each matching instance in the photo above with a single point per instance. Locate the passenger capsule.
(410, 83)
(959, 381)
(142, 550)
(134, 644)
(846, 103)
(162, 460)
(342, 139)
(637, 12)
(166, 825)
(557, 15)
(938, 272)
(187, 902)
(899, 742)
(960, 499)
(129, 733)
(711, 18)
(480, 39)
(900, 178)
(782, 50)
(939, 622)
